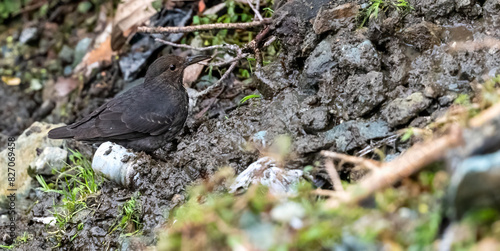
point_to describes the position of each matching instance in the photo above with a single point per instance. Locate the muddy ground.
(333, 86)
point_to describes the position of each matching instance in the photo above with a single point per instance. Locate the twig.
(485, 116)
(185, 46)
(212, 102)
(255, 9)
(269, 41)
(414, 159)
(334, 176)
(242, 56)
(368, 163)
(218, 83)
(204, 27)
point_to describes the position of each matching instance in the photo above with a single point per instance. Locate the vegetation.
(130, 221)
(376, 6)
(76, 183)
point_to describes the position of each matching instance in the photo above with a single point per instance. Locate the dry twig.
(334, 176)
(368, 163)
(255, 9)
(204, 27)
(415, 158)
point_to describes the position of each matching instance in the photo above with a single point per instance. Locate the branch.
(414, 159)
(185, 46)
(334, 176)
(204, 27)
(255, 9)
(218, 83)
(368, 163)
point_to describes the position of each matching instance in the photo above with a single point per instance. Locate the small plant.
(130, 217)
(251, 96)
(376, 6)
(80, 182)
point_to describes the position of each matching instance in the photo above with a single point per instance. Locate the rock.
(29, 35)
(352, 134)
(289, 212)
(361, 55)
(400, 110)
(276, 79)
(473, 184)
(66, 54)
(266, 172)
(320, 62)
(433, 9)
(423, 35)
(315, 119)
(333, 19)
(362, 93)
(80, 50)
(50, 158)
(292, 26)
(26, 150)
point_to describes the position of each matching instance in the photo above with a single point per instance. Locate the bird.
(143, 118)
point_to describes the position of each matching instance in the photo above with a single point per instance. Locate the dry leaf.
(64, 86)
(191, 74)
(100, 54)
(11, 80)
(201, 6)
(130, 13)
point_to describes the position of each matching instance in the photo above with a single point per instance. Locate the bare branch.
(204, 27)
(255, 9)
(218, 83)
(185, 46)
(269, 41)
(334, 176)
(368, 163)
(414, 159)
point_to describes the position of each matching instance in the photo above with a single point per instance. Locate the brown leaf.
(201, 6)
(64, 86)
(191, 74)
(130, 13)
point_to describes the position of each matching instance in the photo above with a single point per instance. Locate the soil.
(343, 90)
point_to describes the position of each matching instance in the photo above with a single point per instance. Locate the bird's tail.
(61, 133)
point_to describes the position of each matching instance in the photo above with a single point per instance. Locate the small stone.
(29, 35)
(50, 158)
(423, 35)
(333, 19)
(400, 110)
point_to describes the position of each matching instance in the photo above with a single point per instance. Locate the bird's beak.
(195, 59)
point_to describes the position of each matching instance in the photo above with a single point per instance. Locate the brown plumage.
(143, 118)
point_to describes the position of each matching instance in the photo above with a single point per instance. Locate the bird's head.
(171, 67)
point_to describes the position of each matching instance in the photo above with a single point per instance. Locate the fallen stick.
(368, 163)
(414, 159)
(204, 27)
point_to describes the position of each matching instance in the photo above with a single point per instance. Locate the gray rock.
(50, 158)
(474, 184)
(362, 56)
(315, 119)
(80, 50)
(29, 35)
(352, 134)
(400, 110)
(25, 151)
(423, 35)
(66, 54)
(321, 61)
(363, 93)
(265, 171)
(276, 79)
(333, 19)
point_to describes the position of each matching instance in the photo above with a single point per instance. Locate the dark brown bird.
(143, 118)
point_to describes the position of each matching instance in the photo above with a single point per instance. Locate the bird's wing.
(130, 116)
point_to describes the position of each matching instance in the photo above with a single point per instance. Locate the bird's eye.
(172, 67)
